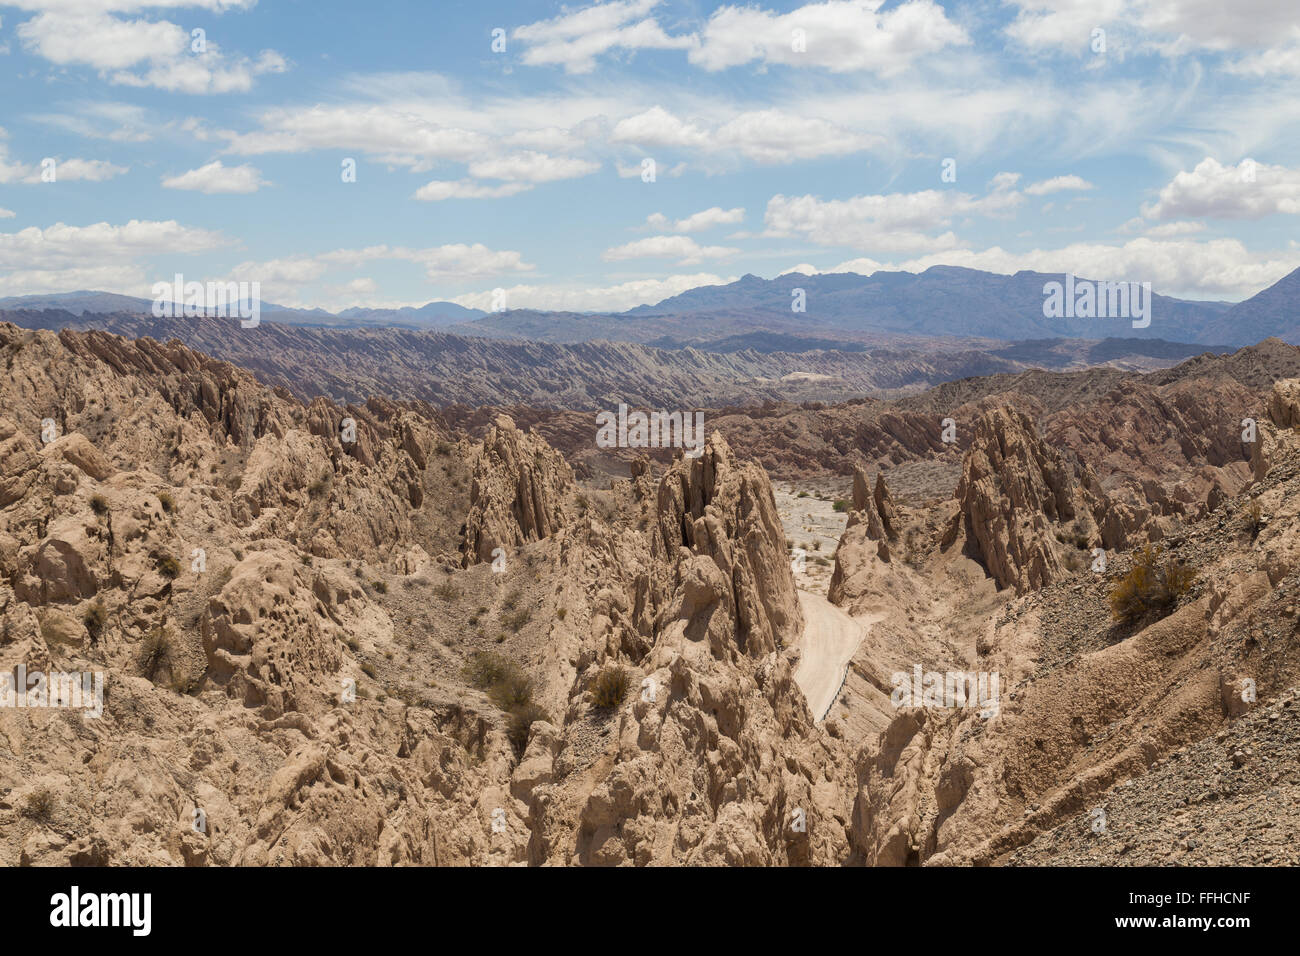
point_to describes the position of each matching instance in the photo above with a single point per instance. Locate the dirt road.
(830, 639)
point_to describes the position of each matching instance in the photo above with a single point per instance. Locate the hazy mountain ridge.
(440, 368)
(844, 310)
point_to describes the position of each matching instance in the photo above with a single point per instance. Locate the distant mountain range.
(843, 311)
(445, 369)
(432, 315)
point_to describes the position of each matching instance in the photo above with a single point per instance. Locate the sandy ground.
(830, 639)
(814, 525)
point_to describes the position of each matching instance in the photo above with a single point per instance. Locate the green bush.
(1153, 585)
(840, 505)
(168, 503)
(99, 505)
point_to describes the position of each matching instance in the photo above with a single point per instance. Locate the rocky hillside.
(1156, 738)
(301, 647)
(384, 633)
(349, 365)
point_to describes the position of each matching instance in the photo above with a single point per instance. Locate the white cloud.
(216, 177)
(574, 40)
(682, 248)
(438, 190)
(391, 132)
(551, 138)
(1168, 27)
(99, 256)
(459, 260)
(1214, 268)
(838, 35)
(901, 221)
(803, 269)
(612, 298)
(532, 167)
(65, 170)
(285, 279)
(1063, 24)
(697, 222)
(1172, 230)
(360, 286)
(1282, 61)
(636, 171)
(768, 136)
(119, 122)
(1248, 190)
(1058, 184)
(88, 34)
(7, 214)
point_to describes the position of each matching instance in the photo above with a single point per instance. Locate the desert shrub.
(95, 618)
(167, 501)
(379, 586)
(515, 690)
(521, 723)
(803, 494)
(40, 804)
(155, 652)
(99, 505)
(447, 592)
(1254, 516)
(321, 485)
(610, 687)
(167, 566)
(511, 600)
(368, 670)
(1153, 584)
(515, 620)
(840, 505)
(487, 668)
(561, 613)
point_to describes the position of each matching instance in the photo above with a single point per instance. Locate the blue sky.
(1148, 140)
